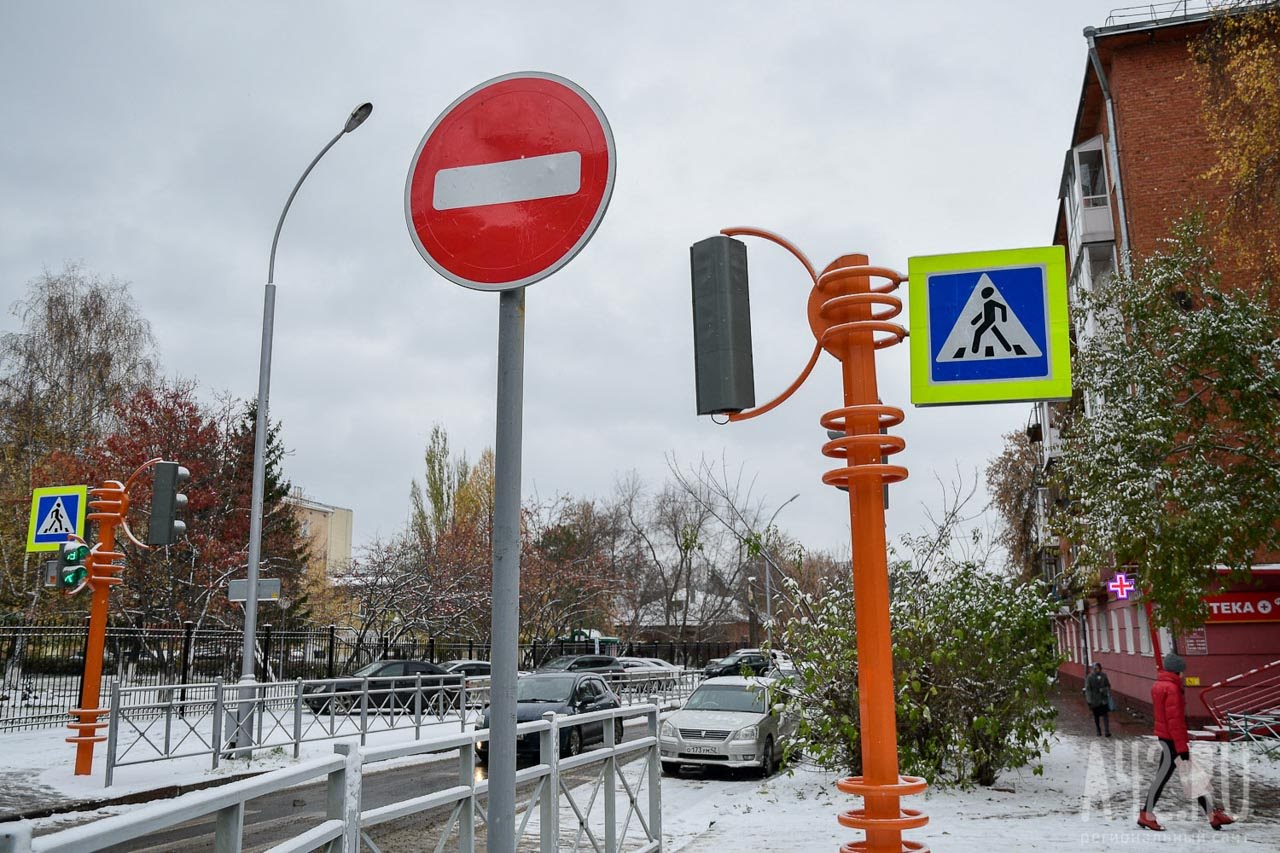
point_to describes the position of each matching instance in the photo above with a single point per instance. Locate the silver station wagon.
(727, 722)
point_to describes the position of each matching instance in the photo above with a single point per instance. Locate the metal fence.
(628, 817)
(41, 665)
(159, 723)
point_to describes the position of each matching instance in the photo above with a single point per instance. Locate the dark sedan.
(751, 660)
(393, 685)
(562, 693)
(583, 663)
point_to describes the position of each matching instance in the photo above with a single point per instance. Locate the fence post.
(343, 800)
(462, 703)
(364, 709)
(386, 646)
(431, 649)
(467, 807)
(417, 706)
(184, 669)
(533, 664)
(267, 675)
(218, 711)
(228, 829)
(610, 785)
(297, 717)
(333, 632)
(113, 733)
(549, 804)
(655, 773)
(15, 837)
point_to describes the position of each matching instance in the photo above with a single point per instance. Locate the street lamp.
(248, 677)
(768, 585)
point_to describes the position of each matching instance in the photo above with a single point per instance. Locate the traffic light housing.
(723, 369)
(73, 564)
(166, 501)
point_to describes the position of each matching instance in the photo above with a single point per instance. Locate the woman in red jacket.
(1169, 702)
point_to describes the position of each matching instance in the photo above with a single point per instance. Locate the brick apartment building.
(1137, 158)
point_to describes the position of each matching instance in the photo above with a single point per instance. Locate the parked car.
(583, 663)
(469, 668)
(383, 694)
(752, 660)
(562, 693)
(727, 722)
(779, 658)
(644, 674)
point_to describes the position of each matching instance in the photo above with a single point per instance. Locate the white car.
(728, 722)
(644, 674)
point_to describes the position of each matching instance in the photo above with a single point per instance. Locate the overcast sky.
(157, 142)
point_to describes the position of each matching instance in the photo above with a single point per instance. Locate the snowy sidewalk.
(1087, 798)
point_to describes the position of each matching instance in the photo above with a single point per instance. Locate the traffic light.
(166, 500)
(72, 564)
(723, 369)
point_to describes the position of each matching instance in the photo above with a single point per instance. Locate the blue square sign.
(988, 324)
(990, 327)
(57, 515)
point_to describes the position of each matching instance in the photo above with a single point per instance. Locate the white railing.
(159, 723)
(633, 820)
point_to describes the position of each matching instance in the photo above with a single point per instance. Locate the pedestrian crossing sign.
(57, 514)
(989, 327)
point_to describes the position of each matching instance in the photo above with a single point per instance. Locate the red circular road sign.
(511, 181)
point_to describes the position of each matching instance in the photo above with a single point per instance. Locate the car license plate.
(702, 750)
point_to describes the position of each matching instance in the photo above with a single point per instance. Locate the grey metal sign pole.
(506, 573)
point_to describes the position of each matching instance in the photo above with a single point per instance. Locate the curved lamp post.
(248, 677)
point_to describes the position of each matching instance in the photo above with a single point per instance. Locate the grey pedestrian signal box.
(723, 369)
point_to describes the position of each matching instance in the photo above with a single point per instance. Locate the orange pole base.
(851, 320)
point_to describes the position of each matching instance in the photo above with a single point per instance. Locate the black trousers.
(1163, 774)
(1100, 717)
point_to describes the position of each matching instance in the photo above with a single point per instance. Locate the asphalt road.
(275, 818)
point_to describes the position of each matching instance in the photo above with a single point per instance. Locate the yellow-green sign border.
(37, 494)
(1056, 386)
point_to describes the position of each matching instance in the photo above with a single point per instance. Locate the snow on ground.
(1087, 799)
(36, 767)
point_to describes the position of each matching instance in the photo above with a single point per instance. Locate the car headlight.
(749, 733)
(667, 731)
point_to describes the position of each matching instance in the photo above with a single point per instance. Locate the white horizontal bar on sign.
(545, 176)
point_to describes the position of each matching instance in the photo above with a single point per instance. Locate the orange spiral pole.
(851, 320)
(108, 503)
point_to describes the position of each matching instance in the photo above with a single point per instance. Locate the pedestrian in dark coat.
(1169, 703)
(1097, 695)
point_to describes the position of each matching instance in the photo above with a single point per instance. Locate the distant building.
(1138, 153)
(327, 530)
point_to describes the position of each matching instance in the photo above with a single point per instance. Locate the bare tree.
(82, 346)
(690, 574)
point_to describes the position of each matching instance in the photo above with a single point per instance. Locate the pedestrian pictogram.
(989, 327)
(511, 181)
(57, 516)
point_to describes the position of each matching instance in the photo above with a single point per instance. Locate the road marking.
(526, 179)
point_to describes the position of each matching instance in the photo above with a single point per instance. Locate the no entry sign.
(511, 181)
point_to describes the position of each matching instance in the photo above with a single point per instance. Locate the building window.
(1144, 630)
(1103, 644)
(1093, 178)
(1115, 631)
(1130, 645)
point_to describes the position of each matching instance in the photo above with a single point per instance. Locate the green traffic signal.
(72, 570)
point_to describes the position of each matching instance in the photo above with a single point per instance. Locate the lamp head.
(357, 117)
